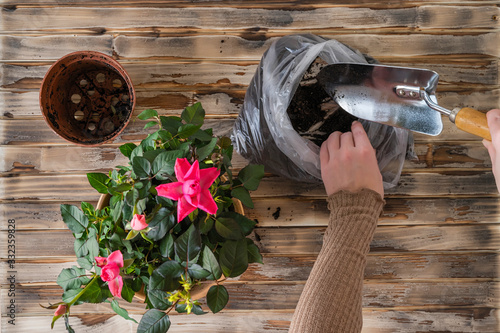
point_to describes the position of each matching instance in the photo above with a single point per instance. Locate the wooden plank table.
(434, 262)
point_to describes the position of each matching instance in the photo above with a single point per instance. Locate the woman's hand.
(493, 146)
(348, 162)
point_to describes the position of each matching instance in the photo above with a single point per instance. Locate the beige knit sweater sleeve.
(331, 299)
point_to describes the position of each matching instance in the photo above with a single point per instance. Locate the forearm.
(331, 299)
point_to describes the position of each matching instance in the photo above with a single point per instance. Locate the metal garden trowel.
(396, 96)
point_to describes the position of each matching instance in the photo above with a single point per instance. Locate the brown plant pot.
(87, 98)
(198, 291)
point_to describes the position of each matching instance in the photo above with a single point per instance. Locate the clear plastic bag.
(263, 132)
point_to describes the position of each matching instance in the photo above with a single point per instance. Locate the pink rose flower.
(61, 309)
(191, 189)
(138, 222)
(110, 271)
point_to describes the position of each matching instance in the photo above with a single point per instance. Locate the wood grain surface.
(434, 264)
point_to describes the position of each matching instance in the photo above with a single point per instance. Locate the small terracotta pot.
(87, 98)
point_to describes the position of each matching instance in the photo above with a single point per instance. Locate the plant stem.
(83, 290)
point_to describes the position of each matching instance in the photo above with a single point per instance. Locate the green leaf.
(95, 293)
(202, 135)
(150, 155)
(217, 298)
(164, 163)
(74, 218)
(71, 278)
(185, 131)
(181, 308)
(171, 124)
(132, 234)
(195, 271)
(69, 295)
(243, 195)
(166, 276)
(127, 149)
(251, 175)
(92, 244)
(120, 311)
(154, 321)
(80, 247)
(89, 246)
(158, 299)
(210, 263)
(233, 257)
(148, 144)
(197, 310)
(84, 262)
(253, 252)
(167, 246)
(228, 228)
(148, 113)
(141, 167)
(150, 124)
(245, 223)
(138, 151)
(207, 150)
(188, 245)
(98, 181)
(131, 198)
(194, 114)
(87, 208)
(161, 223)
(206, 226)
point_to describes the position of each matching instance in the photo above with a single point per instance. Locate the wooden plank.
(279, 4)
(232, 47)
(213, 47)
(380, 267)
(445, 183)
(291, 212)
(26, 159)
(48, 20)
(284, 212)
(257, 296)
(179, 76)
(479, 320)
(37, 132)
(37, 48)
(75, 186)
(302, 240)
(220, 101)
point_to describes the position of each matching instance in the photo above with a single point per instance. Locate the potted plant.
(166, 225)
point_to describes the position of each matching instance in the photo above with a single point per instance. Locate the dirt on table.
(312, 112)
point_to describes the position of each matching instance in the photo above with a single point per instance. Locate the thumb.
(491, 150)
(493, 117)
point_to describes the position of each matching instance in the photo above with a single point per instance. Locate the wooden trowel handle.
(474, 122)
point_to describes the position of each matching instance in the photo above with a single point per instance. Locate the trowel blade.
(368, 92)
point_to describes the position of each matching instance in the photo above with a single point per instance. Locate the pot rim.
(115, 64)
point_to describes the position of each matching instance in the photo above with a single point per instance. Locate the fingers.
(346, 140)
(359, 135)
(334, 140)
(493, 117)
(491, 149)
(329, 146)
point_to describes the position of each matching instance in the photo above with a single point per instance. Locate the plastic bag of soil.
(263, 132)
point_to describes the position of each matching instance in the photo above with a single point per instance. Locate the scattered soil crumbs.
(312, 112)
(276, 214)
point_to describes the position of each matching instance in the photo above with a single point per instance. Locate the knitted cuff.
(353, 218)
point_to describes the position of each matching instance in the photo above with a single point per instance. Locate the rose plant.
(170, 224)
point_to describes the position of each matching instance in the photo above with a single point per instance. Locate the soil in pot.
(312, 112)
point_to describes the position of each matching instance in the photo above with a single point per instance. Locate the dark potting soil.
(312, 112)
